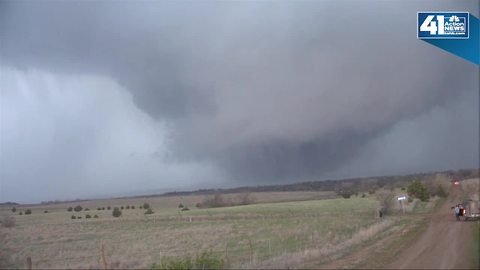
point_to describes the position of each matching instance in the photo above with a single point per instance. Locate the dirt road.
(445, 244)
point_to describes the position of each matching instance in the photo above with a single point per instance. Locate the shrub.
(28, 212)
(87, 216)
(116, 212)
(180, 206)
(185, 208)
(79, 217)
(402, 189)
(108, 207)
(363, 195)
(121, 207)
(86, 209)
(21, 213)
(441, 192)
(345, 193)
(14, 209)
(99, 208)
(141, 207)
(386, 201)
(74, 217)
(371, 191)
(217, 201)
(78, 208)
(70, 209)
(418, 190)
(46, 211)
(245, 199)
(149, 211)
(133, 206)
(96, 216)
(127, 207)
(146, 206)
(205, 260)
(7, 221)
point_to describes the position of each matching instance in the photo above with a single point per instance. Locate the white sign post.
(401, 199)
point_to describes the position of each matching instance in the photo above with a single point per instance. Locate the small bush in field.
(70, 209)
(45, 211)
(127, 207)
(99, 208)
(74, 217)
(149, 211)
(86, 209)
(28, 212)
(146, 206)
(78, 208)
(121, 207)
(185, 208)
(141, 207)
(205, 260)
(88, 216)
(133, 206)
(116, 212)
(21, 213)
(180, 206)
(96, 216)
(108, 207)
(79, 217)
(363, 195)
(14, 209)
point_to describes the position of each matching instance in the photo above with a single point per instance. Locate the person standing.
(457, 212)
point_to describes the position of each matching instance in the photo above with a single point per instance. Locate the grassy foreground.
(242, 236)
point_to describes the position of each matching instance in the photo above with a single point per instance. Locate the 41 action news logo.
(442, 25)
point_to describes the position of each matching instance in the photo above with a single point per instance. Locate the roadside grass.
(405, 232)
(476, 245)
(383, 248)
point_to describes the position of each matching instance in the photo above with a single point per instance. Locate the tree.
(149, 211)
(70, 209)
(28, 212)
(418, 190)
(146, 206)
(14, 209)
(385, 198)
(78, 208)
(116, 212)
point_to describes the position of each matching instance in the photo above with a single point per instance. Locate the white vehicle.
(472, 210)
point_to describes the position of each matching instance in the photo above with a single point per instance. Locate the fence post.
(103, 262)
(29, 263)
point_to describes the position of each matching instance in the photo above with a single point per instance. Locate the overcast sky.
(104, 98)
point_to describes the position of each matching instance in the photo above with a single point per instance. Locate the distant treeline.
(355, 184)
(362, 184)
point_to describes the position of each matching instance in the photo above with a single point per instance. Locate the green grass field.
(242, 235)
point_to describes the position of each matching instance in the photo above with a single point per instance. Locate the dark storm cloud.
(266, 91)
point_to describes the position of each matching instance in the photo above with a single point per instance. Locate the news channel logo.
(442, 25)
